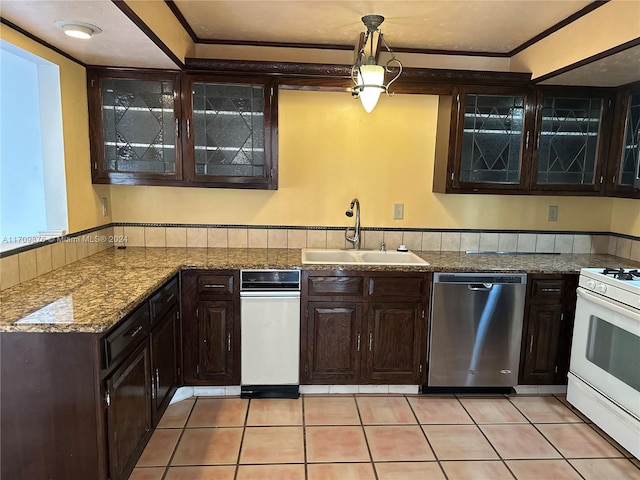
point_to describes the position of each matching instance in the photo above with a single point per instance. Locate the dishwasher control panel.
(270, 280)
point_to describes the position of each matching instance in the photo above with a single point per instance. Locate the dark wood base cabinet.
(78, 406)
(547, 329)
(211, 327)
(364, 328)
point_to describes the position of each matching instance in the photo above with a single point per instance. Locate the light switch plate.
(105, 206)
(398, 211)
(553, 213)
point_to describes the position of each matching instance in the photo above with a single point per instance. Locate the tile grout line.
(366, 440)
(182, 431)
(244, 429)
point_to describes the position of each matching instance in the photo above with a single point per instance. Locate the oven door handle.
(608, 303)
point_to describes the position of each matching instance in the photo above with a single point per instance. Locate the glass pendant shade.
(372, 77)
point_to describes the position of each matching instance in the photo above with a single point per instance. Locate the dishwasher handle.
(480, 287)
(276, 294)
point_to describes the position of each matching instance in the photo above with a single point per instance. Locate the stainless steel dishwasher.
(270, 333)
(475, 330)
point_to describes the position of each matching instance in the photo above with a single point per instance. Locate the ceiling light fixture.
(366, 74)
(77, 29)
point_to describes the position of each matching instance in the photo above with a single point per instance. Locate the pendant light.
(367, 75)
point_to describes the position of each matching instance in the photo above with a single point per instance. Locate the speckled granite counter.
(93, 294)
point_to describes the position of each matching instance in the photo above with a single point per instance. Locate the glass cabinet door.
(492, 139)
(569, 143)
(629, 171)
(139, 126)
(227, 125)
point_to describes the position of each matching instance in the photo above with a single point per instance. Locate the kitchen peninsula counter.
(93, 294)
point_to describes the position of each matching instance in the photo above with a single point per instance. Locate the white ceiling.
(495, 26)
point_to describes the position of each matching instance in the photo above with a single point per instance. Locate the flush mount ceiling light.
(366, 74)
(77, 29)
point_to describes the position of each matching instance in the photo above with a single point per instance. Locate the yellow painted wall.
(610, 25)
(625, 217)
(162, 21)
(330, 150)
(83, 198)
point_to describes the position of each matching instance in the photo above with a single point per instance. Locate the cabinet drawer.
(215, 285)
(546, 289)
(397, 286)
(126, 336)
(164, 299)
(331, 286)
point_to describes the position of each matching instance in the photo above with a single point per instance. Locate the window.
(33, 202)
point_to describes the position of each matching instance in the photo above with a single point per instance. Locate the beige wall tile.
(58, 255)
(257, 237)
(489, 241)
(28, 268)
(508, 242)
(197, 237)
(635, 251)
(93, 242)
(82, 247)
(118, 237)
(43, 260)
(564, 244)
(392, 240)
(134, 236)
(238, 238)
(277, 238)
(545, 243)
(296, 238)
(469, 241)
(413, 240)
(317, 238)
(176, 236)
(623, 248)
(613, 245)
(431, 241)
(582, 244)
(527, 242)
(155, 237)
(450, 242)
(371, 239)
(70, 251)
(9, 272)
(599, 244)
(335, 239)
(217, 238)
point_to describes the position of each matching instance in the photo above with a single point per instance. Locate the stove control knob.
(591, 284)
(601, 287)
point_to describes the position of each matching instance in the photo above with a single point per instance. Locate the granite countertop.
(93, 294)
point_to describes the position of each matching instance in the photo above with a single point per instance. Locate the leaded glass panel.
(569, 141)
(492, 139)
(138, 126)
(228, 129)
(631, 150)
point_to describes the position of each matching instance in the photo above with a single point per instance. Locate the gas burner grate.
(621, 273)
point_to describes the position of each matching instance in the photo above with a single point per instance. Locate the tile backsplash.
(29, 264)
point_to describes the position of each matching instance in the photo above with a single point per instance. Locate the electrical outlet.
(553, 213)
(398, 211)
(105, 206)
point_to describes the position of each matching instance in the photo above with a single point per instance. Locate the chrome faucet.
(356, 229)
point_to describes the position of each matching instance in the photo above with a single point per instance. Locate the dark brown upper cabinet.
(522, 140)
(623, 169)
(177, 129)
(134, 127)
(231, 131)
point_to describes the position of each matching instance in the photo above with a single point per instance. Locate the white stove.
(604, 378)
(619, 284)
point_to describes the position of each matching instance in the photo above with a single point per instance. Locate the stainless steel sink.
(360, 257)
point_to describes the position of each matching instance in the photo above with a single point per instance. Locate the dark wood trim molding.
(586, 61)
(183, 21)
(252, 43)
(462, 53)
(18, 29)
(126, 9)
(570, 19)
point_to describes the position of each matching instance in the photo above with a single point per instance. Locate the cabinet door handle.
(153, 388)
(531, 344)
(538, 143)
(157, 379)
(526, 142)
(370, 340)
(358, 342)
(554, 290)
(188, 128)
(229, 342)
(214, 285)
(177, 128)
(134, 331)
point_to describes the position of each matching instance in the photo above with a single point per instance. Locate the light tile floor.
(383, 437)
